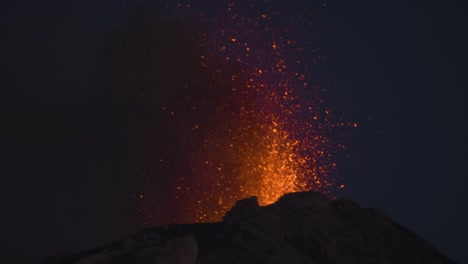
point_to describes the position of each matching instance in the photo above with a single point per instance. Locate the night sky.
(119, 115)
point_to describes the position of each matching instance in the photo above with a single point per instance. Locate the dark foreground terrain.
(305, 227)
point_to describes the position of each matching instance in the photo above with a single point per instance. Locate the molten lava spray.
(269, 133)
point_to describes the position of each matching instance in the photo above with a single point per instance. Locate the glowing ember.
(269, 135)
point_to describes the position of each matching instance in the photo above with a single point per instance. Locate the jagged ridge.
(305, 227)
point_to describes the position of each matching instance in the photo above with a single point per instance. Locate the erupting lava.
(269, 134)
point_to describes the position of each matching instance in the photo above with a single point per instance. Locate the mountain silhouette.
(303, 227)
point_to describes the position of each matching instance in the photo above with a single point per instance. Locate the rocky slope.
(305, 227)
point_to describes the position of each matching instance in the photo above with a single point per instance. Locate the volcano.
(301, 227)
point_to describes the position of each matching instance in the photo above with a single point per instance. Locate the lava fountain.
(269, 133)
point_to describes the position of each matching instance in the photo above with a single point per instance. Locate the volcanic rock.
(305, 227)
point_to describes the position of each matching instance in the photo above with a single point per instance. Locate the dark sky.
(72, 127)
(398, 69)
